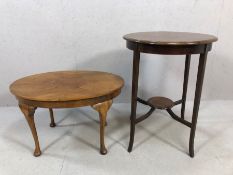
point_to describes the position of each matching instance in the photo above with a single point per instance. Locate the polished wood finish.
(102, 109)
(168, 43)
(161, 102)
(74, 87)
(170, 38)
(169, 49)
(29, 112)
(66, 89)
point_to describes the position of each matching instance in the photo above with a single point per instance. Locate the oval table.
(66, 89)
(169, 43)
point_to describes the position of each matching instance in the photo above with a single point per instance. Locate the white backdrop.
(41, 35)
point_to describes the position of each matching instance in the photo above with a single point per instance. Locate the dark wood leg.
(136, 61)
(102, 108)
(28, 112)
(185, 84)
(52, 124)
(199, 83)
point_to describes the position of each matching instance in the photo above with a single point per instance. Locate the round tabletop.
(170, 38)
(65, 86)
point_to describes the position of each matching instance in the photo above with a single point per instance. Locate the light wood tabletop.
(66, 89)
(66, 86)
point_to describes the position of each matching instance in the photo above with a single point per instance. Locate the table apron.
(169, 49)
(68, 104)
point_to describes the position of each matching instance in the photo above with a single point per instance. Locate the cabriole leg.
(102, 109)
(28, 112)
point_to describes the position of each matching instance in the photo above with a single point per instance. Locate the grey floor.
(161, 144)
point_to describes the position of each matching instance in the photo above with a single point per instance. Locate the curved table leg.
(28, 112)
(52, 124)
(199, 83)
(102, 108)
(136, 61)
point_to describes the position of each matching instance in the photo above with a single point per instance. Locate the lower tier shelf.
(161, 102)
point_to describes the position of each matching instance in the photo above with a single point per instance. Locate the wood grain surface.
(66, 86)
(170, 38)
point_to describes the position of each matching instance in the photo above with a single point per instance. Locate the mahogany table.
(169, 43)
(66, 89)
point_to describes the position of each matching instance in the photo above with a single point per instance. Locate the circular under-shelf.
(161, 102)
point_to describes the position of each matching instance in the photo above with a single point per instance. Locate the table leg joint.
(178, 102)
(181, 120)
(145, 116)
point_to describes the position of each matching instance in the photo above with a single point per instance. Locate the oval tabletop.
(170, 38)
(67, 86)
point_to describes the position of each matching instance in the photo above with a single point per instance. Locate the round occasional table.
(66, 89)
(169, 43)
